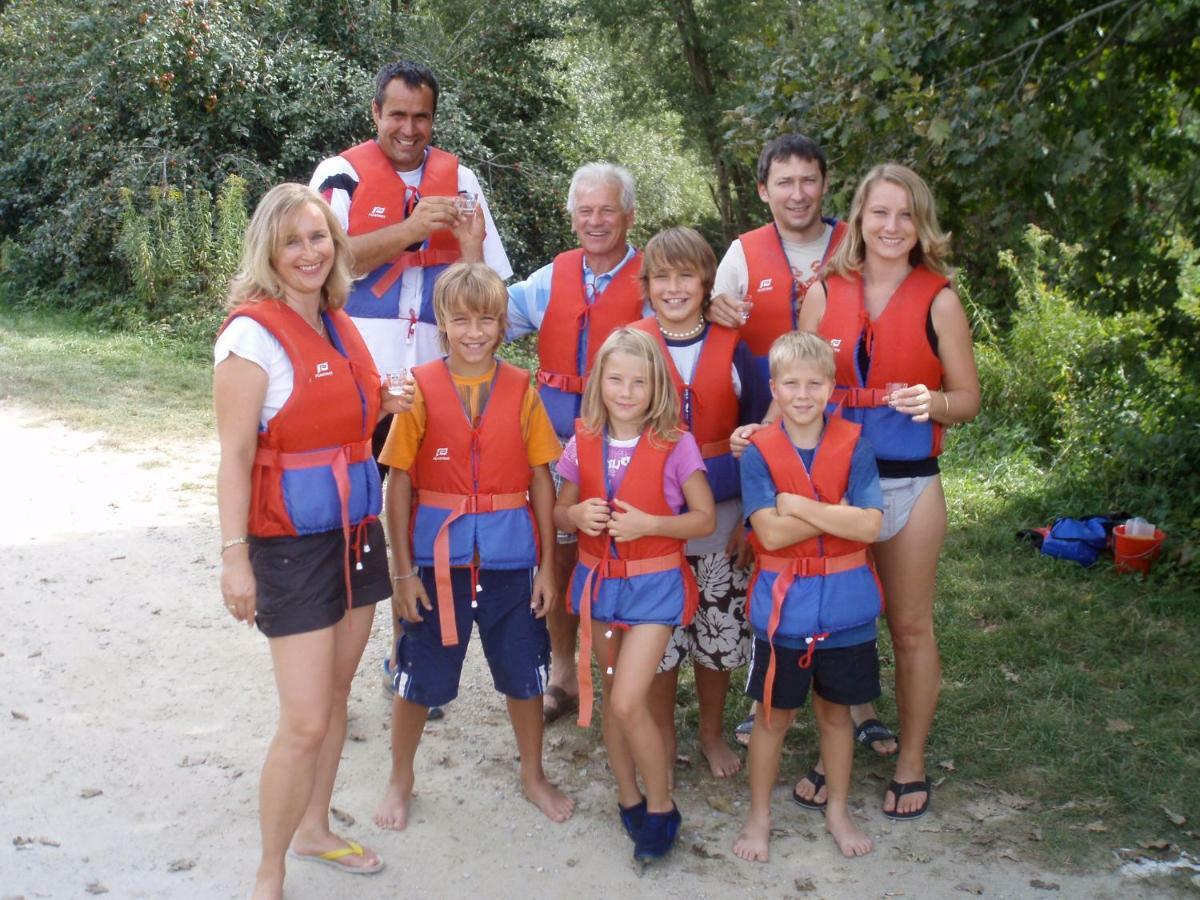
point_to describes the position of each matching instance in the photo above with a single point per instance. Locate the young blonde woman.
(906, 371)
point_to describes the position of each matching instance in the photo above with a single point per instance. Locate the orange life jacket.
(382, 198)
(897, 346)
(649, 560)
(313, 469)
(821, 585)
(771, 285)
(471, 482)
(708, 405)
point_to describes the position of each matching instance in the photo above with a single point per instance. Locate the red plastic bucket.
(1136, 554)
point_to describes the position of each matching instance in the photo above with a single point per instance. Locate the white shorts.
(900, 495)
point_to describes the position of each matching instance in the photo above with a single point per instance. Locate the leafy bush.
(180, 254)
(1105, 406)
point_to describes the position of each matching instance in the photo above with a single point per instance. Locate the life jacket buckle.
(613, 568)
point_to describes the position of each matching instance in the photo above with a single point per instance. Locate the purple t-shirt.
(683, 461)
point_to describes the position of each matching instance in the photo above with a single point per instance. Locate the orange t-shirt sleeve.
(541, 441)
(404, 438)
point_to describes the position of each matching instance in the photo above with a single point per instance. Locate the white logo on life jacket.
(835, 343)
(441, 454)
(377, 212)
(765, 284)
(323, 370)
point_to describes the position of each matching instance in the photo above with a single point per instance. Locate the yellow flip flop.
(334, 858)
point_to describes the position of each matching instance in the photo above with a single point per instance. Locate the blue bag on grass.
(1080, 540)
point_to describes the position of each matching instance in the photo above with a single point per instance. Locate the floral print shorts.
(719, 636)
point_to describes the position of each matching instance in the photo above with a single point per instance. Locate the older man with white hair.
(574, 303)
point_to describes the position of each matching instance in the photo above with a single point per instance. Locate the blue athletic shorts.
(516, 645)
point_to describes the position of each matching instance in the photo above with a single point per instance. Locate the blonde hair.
(680, 248)
(662, 415)
(470, 287)
(256, 278)
(801, 347)
(933, 244)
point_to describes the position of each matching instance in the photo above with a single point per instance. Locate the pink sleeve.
(568, 464)
(683, 461)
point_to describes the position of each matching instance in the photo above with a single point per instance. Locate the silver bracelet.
(415, 570)
(233, 542)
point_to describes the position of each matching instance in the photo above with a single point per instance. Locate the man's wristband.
(415, 570)
(233, 542)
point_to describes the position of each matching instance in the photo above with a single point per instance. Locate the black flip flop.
(564, 704)
(871, 730)
(910, 787)
(818, 781)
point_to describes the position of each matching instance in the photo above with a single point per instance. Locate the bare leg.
(908, 569)
(766, 744)
(526, 717)
(620, 759)
(408, 723)
(837, 752)
(662, 707)
(313, 835)
(638, 656)
(563, 626)
(712, 687)
(303, 665)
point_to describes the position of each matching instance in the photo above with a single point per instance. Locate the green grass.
(133, 385)
(1073, 688)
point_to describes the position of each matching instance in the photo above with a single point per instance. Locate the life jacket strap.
(859, 398)
(459, 505)
(568, 384)
(599, 568)
(413, 259)
(715, 448)
(789, 568)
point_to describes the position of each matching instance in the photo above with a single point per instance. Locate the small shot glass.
(466, 203)
(747, 306)
(396, 381)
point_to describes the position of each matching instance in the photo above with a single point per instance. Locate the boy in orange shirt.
(470, 469)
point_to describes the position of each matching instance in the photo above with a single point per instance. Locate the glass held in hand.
(396, 381)
(746, 306)
(466, 202)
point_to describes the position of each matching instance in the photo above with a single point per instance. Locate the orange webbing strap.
(858, 398)
(789, 568)
(459, 505)
(338, 460)
(413, 259)
(597, 570)
(568, 384)
(716, 448)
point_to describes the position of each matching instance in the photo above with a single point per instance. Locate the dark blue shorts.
(516, 644)
(844, 675)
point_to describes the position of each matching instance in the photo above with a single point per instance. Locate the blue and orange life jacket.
(896, 345)
(313, 470)
(382, 198)
(652, 566)
(568, 320)
(708, 404)
(822, 585)
(472, 507)
(772, 286)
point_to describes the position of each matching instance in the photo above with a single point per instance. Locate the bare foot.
(804, 788)
(850, 839)
(753, 840)
(556, 805)
(722, 761)
(268, 885)
(392, 811)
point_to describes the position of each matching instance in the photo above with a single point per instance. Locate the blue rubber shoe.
(633, 817)
(657, 835)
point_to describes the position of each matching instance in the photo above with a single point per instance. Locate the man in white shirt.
(410, 210)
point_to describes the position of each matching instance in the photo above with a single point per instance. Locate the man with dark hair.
(762, 279)
(410, 210)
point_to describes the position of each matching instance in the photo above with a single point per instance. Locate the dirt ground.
(136, 715)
